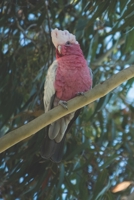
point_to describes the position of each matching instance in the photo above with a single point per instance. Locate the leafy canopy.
(99, 148)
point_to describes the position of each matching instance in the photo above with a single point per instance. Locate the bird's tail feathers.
(52, 150)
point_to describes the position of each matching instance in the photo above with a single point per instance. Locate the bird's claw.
(80, 94)
(63, 104)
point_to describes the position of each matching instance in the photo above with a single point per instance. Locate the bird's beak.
(59, 49)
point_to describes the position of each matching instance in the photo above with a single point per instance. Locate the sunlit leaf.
(121, 186)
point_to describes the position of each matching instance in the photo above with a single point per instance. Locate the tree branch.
(45, 119)
(23, 31)
(100, 60)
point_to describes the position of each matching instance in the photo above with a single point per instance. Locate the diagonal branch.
(23, 31)
(45, 119)
(100, 60)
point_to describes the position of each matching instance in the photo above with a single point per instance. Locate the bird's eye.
(68, 43)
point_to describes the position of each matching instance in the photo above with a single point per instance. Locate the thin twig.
(32, 25)
(23, 31)
(100, 60)
(49, 26)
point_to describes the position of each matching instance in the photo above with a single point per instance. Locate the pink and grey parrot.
(67, 77)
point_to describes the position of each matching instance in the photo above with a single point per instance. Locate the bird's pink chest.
(72, 77)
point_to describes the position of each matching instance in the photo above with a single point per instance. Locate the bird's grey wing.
(49, 146)
(57, 154)
(49, 90)
(55, 133)
(58, 128)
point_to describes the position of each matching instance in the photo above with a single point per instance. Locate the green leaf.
(61, 178)
(109, 160)
(101, 186)
(102, 103)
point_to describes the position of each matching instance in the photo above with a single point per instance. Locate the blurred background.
(99, 148)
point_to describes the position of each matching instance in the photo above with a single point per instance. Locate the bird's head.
(64, 42)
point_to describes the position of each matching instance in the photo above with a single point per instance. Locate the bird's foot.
(63, 104)
(80, 94)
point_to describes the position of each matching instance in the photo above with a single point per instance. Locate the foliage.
(99, 148)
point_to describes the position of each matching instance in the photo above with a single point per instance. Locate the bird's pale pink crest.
(60, 37)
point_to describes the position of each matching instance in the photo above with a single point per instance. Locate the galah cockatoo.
(67, 77)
